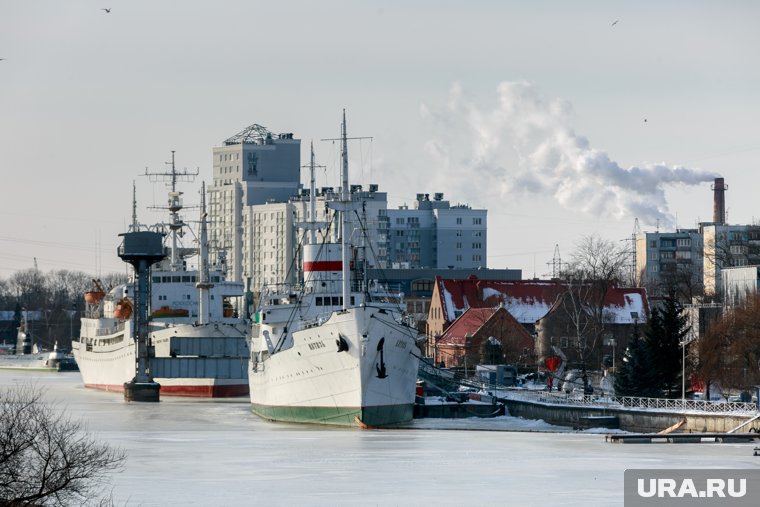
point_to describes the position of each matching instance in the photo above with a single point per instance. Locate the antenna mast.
(174, 204)
(636, 233)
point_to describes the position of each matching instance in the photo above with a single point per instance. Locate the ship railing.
(631, 402)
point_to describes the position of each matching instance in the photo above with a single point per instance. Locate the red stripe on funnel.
(323, 266)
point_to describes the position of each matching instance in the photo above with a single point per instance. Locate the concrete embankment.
(630, 419)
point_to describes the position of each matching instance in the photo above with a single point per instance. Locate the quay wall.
(628, 419)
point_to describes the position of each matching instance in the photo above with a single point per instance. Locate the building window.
(683, 242)
(477, 221)
(459, 220)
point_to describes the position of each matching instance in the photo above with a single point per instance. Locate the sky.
(563, 119)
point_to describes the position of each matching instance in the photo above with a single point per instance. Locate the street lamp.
(612, 342)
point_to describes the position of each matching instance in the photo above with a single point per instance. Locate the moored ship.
(333, 351)
(26, 355)
(197, 333)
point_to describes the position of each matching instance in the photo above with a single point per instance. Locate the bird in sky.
(645, 120)
(615, 22)
(107, 10)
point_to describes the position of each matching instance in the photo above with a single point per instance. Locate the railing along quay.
(629, 402)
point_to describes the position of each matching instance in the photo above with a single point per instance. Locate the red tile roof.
(528, 300)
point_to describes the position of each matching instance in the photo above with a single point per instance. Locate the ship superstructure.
(197, 331)
(334, 350)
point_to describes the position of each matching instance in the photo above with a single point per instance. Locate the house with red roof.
(484, 336)
(526, 300)
(588, 323)
(538, 307)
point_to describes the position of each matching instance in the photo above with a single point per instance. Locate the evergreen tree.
(637, 376)
(666, 329)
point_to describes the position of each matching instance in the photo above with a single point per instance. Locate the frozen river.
(193, 452)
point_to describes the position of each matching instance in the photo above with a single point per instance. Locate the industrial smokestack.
(719, 201)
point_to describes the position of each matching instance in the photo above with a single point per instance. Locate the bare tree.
(729, 353)
(46, 458)
(596, 265)
(598, 259)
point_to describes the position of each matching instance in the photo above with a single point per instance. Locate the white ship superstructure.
(333, 351)
(197, 331)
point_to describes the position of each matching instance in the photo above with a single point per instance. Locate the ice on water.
(192, 452)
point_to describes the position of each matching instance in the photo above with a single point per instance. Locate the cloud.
(525, 144)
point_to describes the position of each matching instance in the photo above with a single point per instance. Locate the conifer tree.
(637, 377)
(666, 329)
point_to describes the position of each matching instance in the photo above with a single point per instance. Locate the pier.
(681, 438)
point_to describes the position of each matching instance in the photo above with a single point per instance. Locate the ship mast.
(345, 198)
(204, 282)
(175, 206)
(312, 198)
(342, 206)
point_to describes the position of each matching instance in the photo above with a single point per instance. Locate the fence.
(658, 404)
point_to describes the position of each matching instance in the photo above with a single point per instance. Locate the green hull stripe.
(387, 415)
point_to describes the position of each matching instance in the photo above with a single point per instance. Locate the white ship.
(332, 351)
(197, 334)
(27, 356)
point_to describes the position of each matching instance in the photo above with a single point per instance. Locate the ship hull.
(368, 382)
(217, 368)
(37, 362)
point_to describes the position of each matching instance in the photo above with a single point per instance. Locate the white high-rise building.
(254, 167)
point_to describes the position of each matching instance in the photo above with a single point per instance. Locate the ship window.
(166, 279)
(337, 301)
(176, 279)
(185, 278)
(319, 301)
(156, 279)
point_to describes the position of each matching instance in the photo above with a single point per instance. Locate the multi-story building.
(667, 261)
(270, 253)
(728, 246)
(437, 235)
(368, 219)
(253, 167)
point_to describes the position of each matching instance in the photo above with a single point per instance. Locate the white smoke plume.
(533, 135)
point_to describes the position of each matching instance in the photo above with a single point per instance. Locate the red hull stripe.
(226, 391)
(323, 266)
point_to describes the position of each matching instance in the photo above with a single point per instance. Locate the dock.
(681, 438)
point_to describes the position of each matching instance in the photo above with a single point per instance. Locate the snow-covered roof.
(526, 300)
(530, 300)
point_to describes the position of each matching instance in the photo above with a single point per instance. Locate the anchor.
(381, 367)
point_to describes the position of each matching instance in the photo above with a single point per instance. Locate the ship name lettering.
(317, 345)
